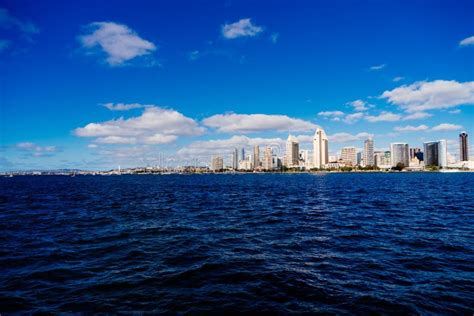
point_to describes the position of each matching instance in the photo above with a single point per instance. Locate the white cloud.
(410, 128)
(224, 147)
(92, 146)
(346, 137)
(331, 113)
(417, 116)
(242, 28)
(154, 126)
(467, 41)
(123, 106)
(425, 95)
(378, 67)
(359, 105)
(456, 111)
(446, 127)
(248, 123)
(383, 117)
(354, 117)
(36, 150)
(118, 41)
(397, 79)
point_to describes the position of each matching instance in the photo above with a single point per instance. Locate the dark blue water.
(338, 243)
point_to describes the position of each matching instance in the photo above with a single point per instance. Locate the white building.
(217, 163)
(256, 157)
(399, 153)
(292, 151)
(235, 159)
(320, 149)
(349, 155)
(245, 165)
(267, 163)
(368, 156)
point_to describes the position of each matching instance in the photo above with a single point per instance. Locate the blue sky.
(93, 85)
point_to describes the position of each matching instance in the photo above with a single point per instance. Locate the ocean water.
(335, 243)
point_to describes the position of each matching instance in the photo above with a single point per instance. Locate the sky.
(91, 85)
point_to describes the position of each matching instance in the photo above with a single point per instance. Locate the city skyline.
(112, 90)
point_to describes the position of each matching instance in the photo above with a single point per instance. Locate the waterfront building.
(349, 156)
(242, 153)
(235, 159)
(217, 163)
(369, 152)
(463, 147)
(292, 151)
(413, 152)
(359, 158)
(256, 157)
(245, 165)
(267, 163)
(320, 149)
(399, 154)
(436, 153)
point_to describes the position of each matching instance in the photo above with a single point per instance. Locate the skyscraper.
(413, 152)
(256, 157)
(320, 149)
(369, 152)
(292, 151)
(242, 153)
(267, 159)
(463, 147)
(349, 155)
(436, 153)
(400, 154)
(217, 163)
(235, 159)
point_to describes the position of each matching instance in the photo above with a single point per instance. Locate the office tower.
(413, 152)
(399, 153)
(436, 153)
(369, 152)
(378, 158)
(217, 163)
(305, 158)
(242, 153)
(256, 157)
(246, 165)
(267, 159)
(292, 151)
(349, 155)
(463, 147)
(359, 158)
(235, 159)
(320, 149)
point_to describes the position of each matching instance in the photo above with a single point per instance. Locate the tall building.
(349, 155)
(217, 163)
(413, 152)
(399, 153)
(436, 153)
(267, 163)
(369, 152)
(235, 159)
(463, 147)
(292, 151)
(320, 149)
(256, 157)
(242, 153)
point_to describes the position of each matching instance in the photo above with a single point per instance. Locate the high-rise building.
(256, 157)
(369, 152)
(235, 159)
(436, 153)
(267, 163)
(349, 155)
(399, 153)
(242, 153)
(413, 152)
(217, 163)
(320, 149)
(463, 147)
(359, 158)
(292, 151)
